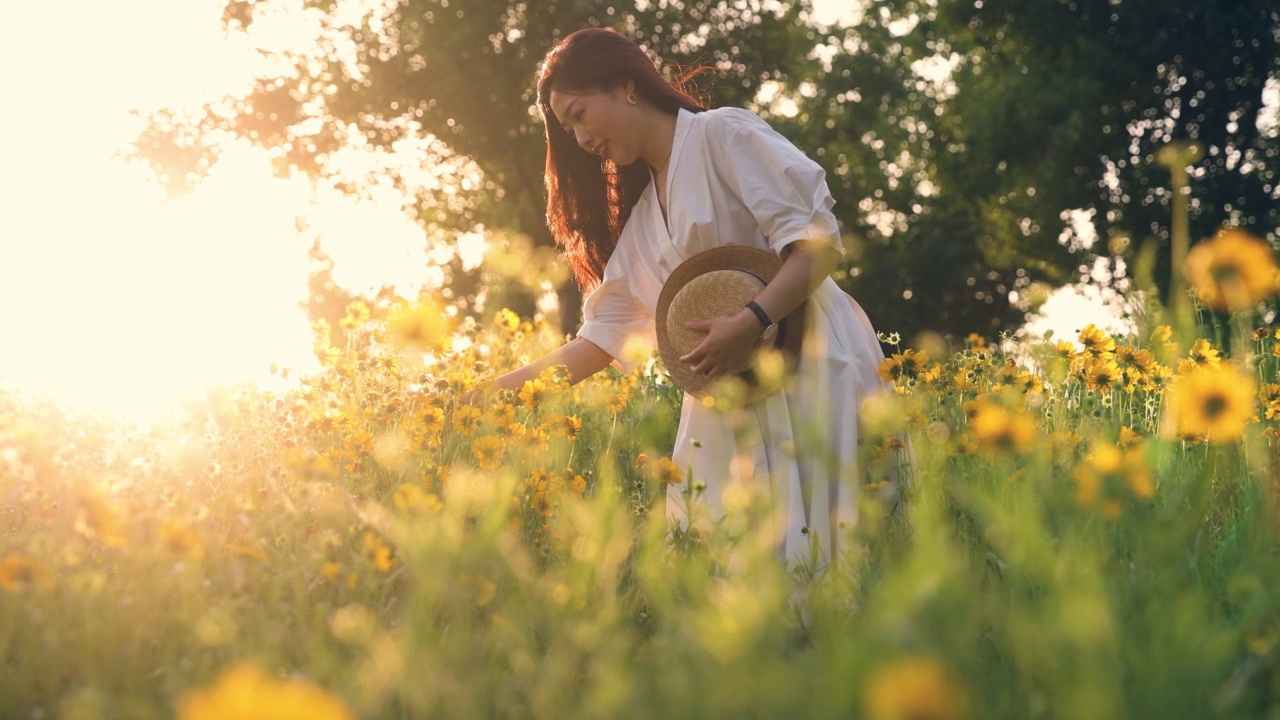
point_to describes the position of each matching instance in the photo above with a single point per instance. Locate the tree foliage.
(967, 144)
(1057, 109)
(447, 89)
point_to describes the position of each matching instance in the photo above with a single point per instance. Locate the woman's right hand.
(727, 346)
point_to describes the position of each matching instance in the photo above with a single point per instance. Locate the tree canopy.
(973, 148)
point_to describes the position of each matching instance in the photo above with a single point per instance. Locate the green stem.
(1181, 241)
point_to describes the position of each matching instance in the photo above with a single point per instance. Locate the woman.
(640, 177)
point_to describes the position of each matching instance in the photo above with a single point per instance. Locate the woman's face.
(602, 122)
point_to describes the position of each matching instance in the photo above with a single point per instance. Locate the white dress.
(733, 180)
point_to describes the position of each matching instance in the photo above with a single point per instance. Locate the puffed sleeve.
(782, 187)
(615, 320)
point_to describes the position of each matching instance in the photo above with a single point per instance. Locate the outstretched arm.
(582, 357)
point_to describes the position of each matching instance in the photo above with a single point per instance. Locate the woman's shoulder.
(733, 133)
(731, 119)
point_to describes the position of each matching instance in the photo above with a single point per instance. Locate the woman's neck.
(658, 141)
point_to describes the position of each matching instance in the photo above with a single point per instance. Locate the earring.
(632, 99)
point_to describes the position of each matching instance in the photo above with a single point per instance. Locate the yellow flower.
(308, 464)
(100, 518)
(1134, 365)
(906, 365)
(357, 315)
(245, 692)
(533, 392)
(435, 477)
(1157, 377)
(331, 571)
(537, 489)
(432, 419)
(888, 368)
(1162, 335)
(578, 484)
(1009, 371)
(914, 688)
(325, 352)
(663, 470)
(1270, 398)
(180, 539)
(502, 415)
(377, 550)
(488, 451)
(18, 572)
(466, 419)
(1101, 375)
(1142, 360)
(1130, 438)
(326, 420)
(1111, 477)
(932, 375)
(537, 440)
(507, 320)
(976, 342)
(1203, 355)
(1232, 271)
(961, 445)
(1215, 403)
(618, 402)
(963, 382)
(1066, 350)
(570, 426)
(555, 377)
(1096, 342)
(413, 499)
(999, 429)
(421, 325)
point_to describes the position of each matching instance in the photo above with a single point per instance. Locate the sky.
(115, 296)
(119, 299)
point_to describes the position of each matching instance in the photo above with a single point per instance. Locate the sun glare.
(119, 299)
(1068, 310)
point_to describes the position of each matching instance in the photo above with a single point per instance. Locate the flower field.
(1089, 530)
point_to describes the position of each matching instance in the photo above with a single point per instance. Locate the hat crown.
(718, 293)
(719, 283)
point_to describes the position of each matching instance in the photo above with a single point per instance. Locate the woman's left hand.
(728, 343)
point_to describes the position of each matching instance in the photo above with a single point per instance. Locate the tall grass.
(1063, 548)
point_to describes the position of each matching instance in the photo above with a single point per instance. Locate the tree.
(974, 148)
(1043, 134)
(455, 81)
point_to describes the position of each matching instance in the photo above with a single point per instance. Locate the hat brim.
(761, 265)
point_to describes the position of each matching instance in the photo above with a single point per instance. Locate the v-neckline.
(662, 198)
(677, 142)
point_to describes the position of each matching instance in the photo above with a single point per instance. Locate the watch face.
(770, 333)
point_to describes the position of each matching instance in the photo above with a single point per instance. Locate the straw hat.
(717, 283)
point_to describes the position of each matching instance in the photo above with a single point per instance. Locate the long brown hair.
(589, 200)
